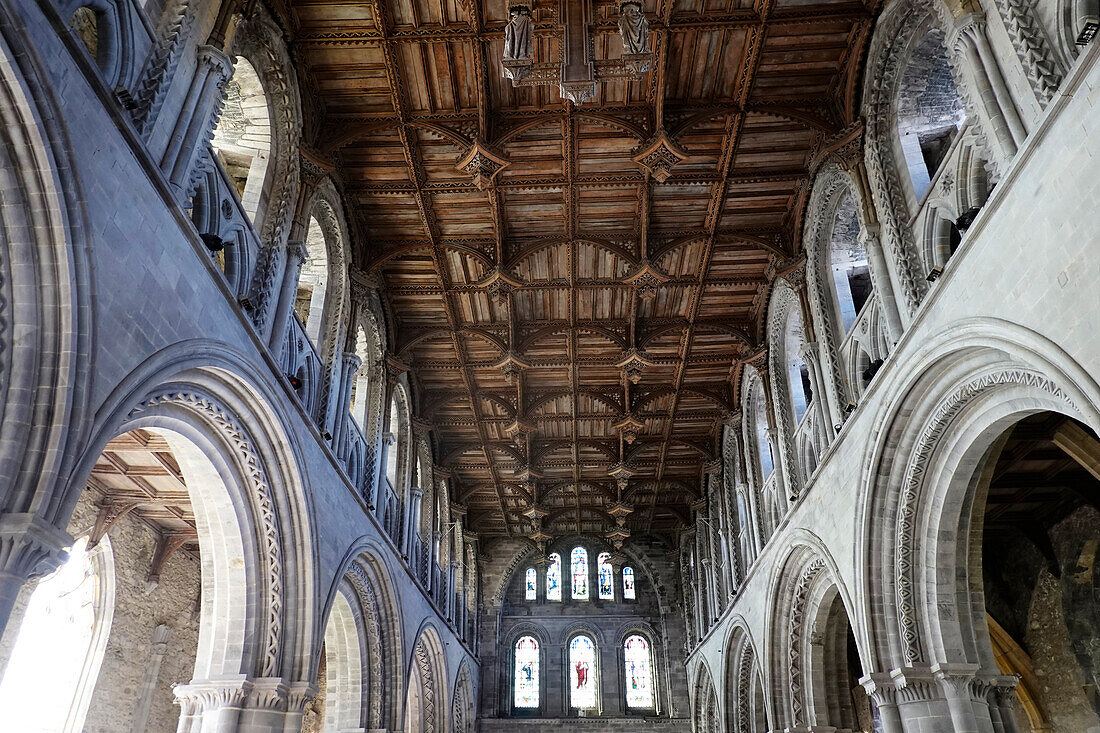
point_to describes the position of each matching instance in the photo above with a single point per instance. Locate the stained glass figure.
(639, 673)
(607, 578)
(532, 580)
(553, 578)
(628, 584)
(579, 563)
(527, 673)
(582, 672)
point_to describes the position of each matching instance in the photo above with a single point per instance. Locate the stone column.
(617, 561)
(194, 123)
(880, 279)
(212, 706)
(809, 353)
(349, 367)
(157, 647)
(541, 563)
(298, 696)
(30, 548)
(919, 703)
(971, 41)
(1002, 703)
(883, 692)
(452, 600)
(288, 293)
(956, 681)
(412, 526)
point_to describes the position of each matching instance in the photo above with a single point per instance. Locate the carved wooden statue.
(517, 34)
(634, 28)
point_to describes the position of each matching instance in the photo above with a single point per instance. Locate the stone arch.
(400, 453)
(463, 712)
(87, 581)
(259, 41)
(834, 201)
(746, 708)
(242, 139)
(898, 32)
(706, 712)
(426, 700)
(759, 456)
(232, 436)
(809, 629)
(45, 289)
(794, 404)
(973, 381)
(366, 582)
(344, 662)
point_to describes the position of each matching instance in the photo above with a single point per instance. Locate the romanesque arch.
(746, 711)
(811, 640)
(463, 710)
(942, 431)
(426, 697)
(706, 712)
(44, 290)
(258, 567)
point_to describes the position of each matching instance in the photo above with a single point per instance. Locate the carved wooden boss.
(576, 75)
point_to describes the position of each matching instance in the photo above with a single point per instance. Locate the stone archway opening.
(157, 512)
(1035, 527)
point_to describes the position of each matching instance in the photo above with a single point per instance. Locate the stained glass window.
(639, 673)
(628, 583)
(532, 579)
(527, 673)
(553, 578)
(607, 578)
(582, 672)
(579, 563)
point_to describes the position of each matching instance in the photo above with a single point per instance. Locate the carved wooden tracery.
(619, 253)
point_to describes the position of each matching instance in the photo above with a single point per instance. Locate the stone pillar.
(288, 293)
(971, 41)
(956, 681)
(880, 280)
(212, 706)
(412, 526)
(348, 369)
(194, 123)
(541, 563)
(826, 418)
(299, 695)
(30, 548)
(157, 647)
(617, 561)
(452, 601)
(1002, 703)
(919, 703)
(883, 692)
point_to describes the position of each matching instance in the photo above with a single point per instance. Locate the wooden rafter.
(572, 285)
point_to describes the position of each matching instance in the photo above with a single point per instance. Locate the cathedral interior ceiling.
(574, 287)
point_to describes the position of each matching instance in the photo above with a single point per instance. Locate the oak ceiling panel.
(603, 304)
(705, 65)
(534, 213)
(464, 214)
(314, 16)
(680, 208)
(608, 210)
(602, 261)
(392, 216)
(463, 268)
(541, 262)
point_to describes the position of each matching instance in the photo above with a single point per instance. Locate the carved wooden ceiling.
(537, 256)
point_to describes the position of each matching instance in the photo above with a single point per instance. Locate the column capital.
(216, 60)
(881, 687)
(31, 547)
(352, 361)
(807, 350)
(213, 694)
(914, 683)
(296, 251)
(955, 679)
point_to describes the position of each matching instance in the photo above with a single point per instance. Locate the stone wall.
(173, 602)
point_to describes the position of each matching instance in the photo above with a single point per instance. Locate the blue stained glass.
(628, 583)
(532, 579)
(607, 578)
(527, 673)
(553, 578)
(579, 563)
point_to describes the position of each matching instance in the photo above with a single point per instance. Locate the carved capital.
(30, 547)
(482, 163)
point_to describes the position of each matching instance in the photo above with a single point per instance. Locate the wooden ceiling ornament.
(563, 278)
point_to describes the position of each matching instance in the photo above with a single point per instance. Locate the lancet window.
(639, 673)
(606, 577)
(553, 578)
(526, 678)
(579, 568)
(582, 673)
